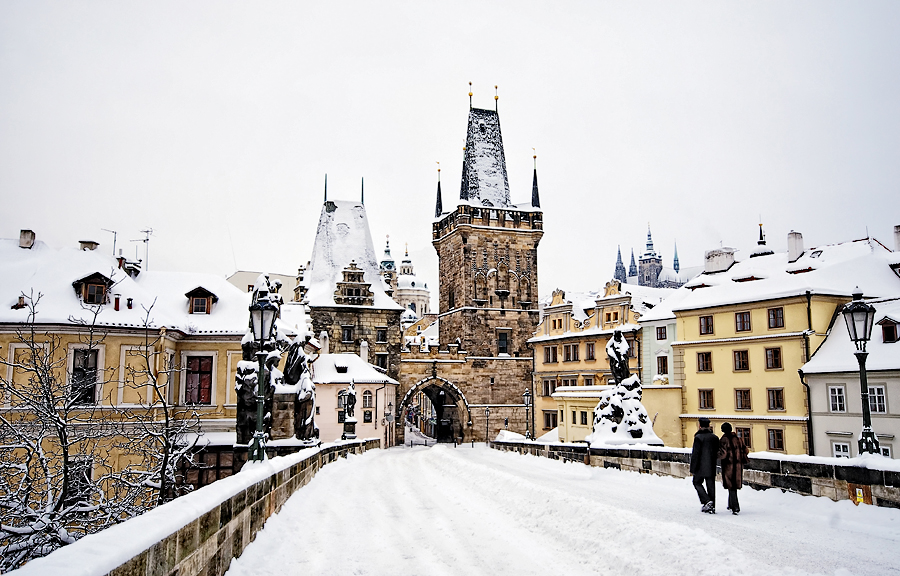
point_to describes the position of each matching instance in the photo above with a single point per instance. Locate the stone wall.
(218, 531)
(878, 487)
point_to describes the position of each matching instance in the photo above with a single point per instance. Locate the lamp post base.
(349, 429)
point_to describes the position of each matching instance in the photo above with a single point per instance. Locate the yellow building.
(571, 365)
(745, 329)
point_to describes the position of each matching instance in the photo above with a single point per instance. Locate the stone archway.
(453, 419)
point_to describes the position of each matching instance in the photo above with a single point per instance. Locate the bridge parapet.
(198, 533)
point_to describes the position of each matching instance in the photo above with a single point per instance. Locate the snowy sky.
(214, 123)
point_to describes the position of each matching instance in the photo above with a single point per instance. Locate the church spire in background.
(535, 197)
(438, 205)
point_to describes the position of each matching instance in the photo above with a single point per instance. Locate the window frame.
(874, 404)
(706, 399)
(834, 452)
(840, 397)
(662, 365)
(590, 351)
(774, 358)
(381, 335)
(704, 362)
(742, 321)
(741, 360)
(551, 419)
(367, 399)
(707, 325)
(548, 387)
(775, 317)
(776, 394)
(743, 396)
(551, 355)
(186, 374)
(74, 350)
(745, 434)
(660, 332)
(889, 326)
(196, 309)
(92, 295)
(775, 436)
(584, 417)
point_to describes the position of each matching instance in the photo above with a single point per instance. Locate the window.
(94, 294)
(885, 451)
(889, 332)
(589, 351)
(570, 352)
(776, 439)
(503, 343)
(743, 434)
(773, 359)
(367, 399)
(573, 416)
(81, 472)
(549, 419)
(704, 361)
(588, 381)
(632, 348)
(706, 324)
(776, 398)
(199, 305)
(341, 416)
(584, 420)
(776, 318)
(549, 386)
(367, 416)
(741, 360)
(381, 360)
(381, 335)
(836, 395)
(742, 399)
(742, 321)
(660, 332)
(609, 317)
(840, 449)
(877, 404)
(198, 388)
(549, 354)
(84, 376)
(346, 333)
(706, 400)
(615, 316)
(662, 365)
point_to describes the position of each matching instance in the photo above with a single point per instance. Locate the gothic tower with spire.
(620, 274)
(650, 264)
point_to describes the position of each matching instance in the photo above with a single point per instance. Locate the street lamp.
(388, 417)
(859, 317)
(262, 322)
(526, 399)
(487, 425)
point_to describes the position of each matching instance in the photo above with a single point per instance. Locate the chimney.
(87, 244)
(130, 303)
(795, 246)
(897, 238)
(364, 350)
(26, 239)
(718, 260)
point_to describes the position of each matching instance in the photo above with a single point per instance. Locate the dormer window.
(92, 289)
(200, 300)
(889, 331)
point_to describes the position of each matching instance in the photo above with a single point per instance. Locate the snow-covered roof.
(836, 354)
(342, 368)
(833, 269)
(50, 272)
(341, 237)
(410, 282)
(484, 181)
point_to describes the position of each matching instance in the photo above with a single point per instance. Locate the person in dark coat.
(733, 454)
(703, 465)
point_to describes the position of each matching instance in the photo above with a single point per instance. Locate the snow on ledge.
(100, 553)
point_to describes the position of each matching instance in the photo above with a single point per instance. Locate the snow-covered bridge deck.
(446, 510)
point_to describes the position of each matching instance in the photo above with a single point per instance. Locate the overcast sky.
(214, 124)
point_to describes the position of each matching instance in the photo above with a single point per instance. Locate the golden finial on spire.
(439, 171)
(470, 95)
(535, 158)
(496, 97)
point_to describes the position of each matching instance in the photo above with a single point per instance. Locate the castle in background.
(650, 272)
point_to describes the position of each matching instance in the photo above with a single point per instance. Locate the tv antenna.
(146, 240)
(113, 232)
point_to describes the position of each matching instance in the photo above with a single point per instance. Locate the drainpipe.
(809, 425)
(375, 419)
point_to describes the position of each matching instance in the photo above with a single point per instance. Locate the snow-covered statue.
(619, 417)
(247, 377)
(296, 375)
(350, 401)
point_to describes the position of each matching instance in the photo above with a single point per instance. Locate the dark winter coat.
(733, 454)
(703, 456)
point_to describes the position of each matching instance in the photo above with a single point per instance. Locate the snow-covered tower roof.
(343, 237)
(484, 180)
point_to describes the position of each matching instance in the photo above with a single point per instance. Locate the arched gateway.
(451, 408)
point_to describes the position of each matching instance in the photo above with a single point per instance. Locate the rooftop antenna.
(113, 232)
(470, 95)
(496, 97)
(146, 241)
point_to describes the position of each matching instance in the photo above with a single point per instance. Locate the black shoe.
(735, 512)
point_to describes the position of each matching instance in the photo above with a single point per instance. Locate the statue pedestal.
(349, 429)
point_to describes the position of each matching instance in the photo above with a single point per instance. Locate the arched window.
(367, 399)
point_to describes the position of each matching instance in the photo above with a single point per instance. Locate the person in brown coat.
(733, 454)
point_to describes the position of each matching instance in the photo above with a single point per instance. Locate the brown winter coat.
(733, 455)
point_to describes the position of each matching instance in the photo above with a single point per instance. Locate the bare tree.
(55, 445)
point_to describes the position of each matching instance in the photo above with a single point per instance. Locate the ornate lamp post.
(487, 426)
(389, 418)
(262, 322)
(526, 399)
(859, 317)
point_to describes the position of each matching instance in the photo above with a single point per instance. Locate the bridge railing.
(200, 532)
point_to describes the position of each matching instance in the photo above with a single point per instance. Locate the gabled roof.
(354, 368)
(201, 292)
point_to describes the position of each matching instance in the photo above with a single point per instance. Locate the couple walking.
(708, 448)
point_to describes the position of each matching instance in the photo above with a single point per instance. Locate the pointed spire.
(649, 239)
(439, 204)
(535, 197)
(620, 274)
(675, 264)
(362, 191)
(496, 98)
(632, 269)
(464, 184)
(762, 237)
(326, 187)
(761, 248)
(470, 95)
